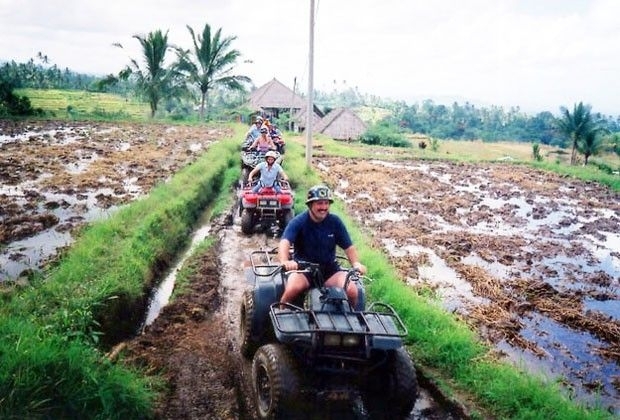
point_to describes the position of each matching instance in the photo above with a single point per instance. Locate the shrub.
(385, 134)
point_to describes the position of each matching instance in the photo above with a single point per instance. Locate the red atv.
(266, 209)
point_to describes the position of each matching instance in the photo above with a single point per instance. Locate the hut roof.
(341, 124)
(275, 95)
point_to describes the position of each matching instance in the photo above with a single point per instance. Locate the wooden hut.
(274, 98)
(341, 124)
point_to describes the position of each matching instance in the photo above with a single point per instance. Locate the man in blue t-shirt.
(314, 235)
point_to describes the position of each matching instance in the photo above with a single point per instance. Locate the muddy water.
(56, 176)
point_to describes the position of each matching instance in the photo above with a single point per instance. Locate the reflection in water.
(162, 294)
(571, 357)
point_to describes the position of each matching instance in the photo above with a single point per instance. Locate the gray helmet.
(272, 154)
(319, 192)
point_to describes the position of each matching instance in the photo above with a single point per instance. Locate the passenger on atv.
(270, 173)
(276, 136)
(254, 131)
(263, 143)
(314, 235)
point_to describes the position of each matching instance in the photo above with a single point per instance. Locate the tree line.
(209, 64)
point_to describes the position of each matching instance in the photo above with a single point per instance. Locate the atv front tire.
(248, 346)
(276, 383)
(392, 390)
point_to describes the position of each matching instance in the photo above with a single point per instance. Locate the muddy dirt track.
(530, 259)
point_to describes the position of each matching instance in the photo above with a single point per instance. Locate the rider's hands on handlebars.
(290, 265)
(360, 267)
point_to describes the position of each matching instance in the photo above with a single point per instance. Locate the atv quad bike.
(266, 209)
(321, 351)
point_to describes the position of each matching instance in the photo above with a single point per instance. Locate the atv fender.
(267, 290)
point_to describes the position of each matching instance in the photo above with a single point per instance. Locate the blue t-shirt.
(316, 242)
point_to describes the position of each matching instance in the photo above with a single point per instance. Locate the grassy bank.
(476, 151)
(56, 330)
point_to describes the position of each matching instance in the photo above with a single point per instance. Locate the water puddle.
(162, 294)
(571, 358)
(450, 288)
(70, 210)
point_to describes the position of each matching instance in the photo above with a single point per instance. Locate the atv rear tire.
(248, 346)
(392, 390)
(247, 221)
(276, 383)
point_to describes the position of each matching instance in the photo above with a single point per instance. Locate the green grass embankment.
(54, 332)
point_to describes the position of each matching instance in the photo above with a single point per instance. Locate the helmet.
(272, 154)
(319, 192)
(258, 119)
(264, 130)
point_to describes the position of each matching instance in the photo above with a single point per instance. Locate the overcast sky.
(536, 54)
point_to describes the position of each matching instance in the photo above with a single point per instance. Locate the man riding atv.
(314, 235)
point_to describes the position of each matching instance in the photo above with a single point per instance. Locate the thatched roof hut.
(274, 98)
(341, 124)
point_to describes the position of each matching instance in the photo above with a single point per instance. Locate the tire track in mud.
(234, 253)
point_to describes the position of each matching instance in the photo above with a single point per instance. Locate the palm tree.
(590, 144)
(210, 64)
(155, 81)
(576, 126)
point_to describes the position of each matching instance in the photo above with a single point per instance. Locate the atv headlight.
(351, 340)
(331, 340)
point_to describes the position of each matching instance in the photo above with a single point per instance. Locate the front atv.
(266, 210)
(322, 350)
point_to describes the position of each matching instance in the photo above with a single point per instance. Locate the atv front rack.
(293, 320)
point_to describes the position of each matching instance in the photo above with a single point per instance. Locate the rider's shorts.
(327, 270)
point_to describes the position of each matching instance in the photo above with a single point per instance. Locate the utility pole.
(310, 107)
(290, 112)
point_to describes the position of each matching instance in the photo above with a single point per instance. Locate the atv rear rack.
(295, 320)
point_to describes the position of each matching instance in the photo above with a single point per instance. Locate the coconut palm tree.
(210, 64)
(155, 81)
(590, 144)
(576, 126)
